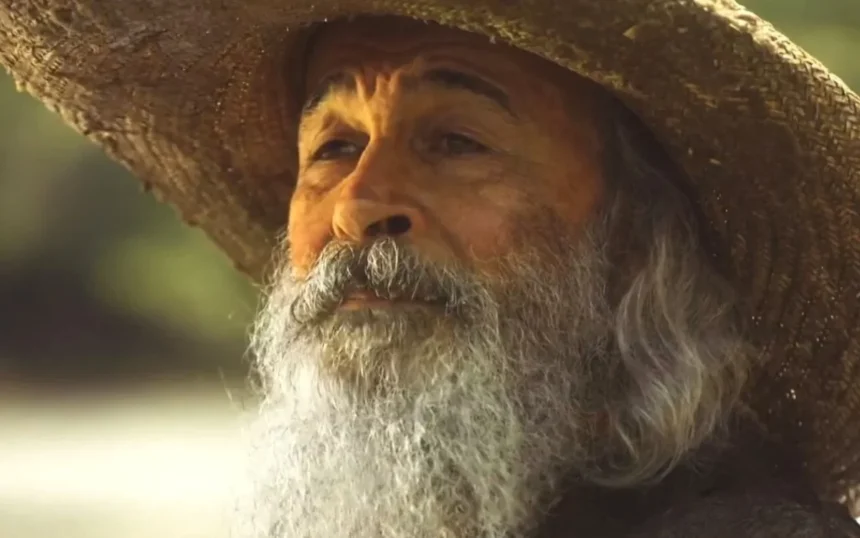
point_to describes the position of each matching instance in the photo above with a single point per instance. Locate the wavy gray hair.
(565, 363)
(675, 331)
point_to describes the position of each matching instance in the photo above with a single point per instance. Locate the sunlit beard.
(383, 347)
(480, 416)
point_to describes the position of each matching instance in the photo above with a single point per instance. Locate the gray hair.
(675, 329)
(608, 355)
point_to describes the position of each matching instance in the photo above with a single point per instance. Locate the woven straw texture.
(194, 97)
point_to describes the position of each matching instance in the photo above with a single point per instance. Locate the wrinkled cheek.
(484, 221)
(485, 235)
(309, 232)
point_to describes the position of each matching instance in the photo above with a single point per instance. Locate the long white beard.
(478, 420)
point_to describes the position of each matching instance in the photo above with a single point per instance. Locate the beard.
(462, 408)
(454, 412)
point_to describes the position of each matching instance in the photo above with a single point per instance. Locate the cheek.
(491, 220)
(482, 221)
(484, 233)
(309, 231)
(574, 180)
(578, 194)
(565, 165)
(567, 179)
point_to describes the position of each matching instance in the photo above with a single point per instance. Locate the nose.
(375, 201)
(359, 219)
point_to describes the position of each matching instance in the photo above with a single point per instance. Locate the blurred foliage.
(98, 281)
(827, 29)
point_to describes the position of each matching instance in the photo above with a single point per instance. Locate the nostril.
(398, 224)
(393, 226)
(375, 229)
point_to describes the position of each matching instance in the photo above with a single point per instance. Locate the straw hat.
(194, 97)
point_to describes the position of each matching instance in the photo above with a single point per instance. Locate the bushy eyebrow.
(332, 83)
(459, 80)
(446, 78)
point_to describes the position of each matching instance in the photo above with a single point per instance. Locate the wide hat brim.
(194, 96)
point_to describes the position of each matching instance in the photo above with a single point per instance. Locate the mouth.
(363, 298)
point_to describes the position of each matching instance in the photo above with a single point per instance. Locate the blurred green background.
(123, 333)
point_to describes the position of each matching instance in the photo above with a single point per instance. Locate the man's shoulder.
(746, 488)
(755, 488)
(752, 514)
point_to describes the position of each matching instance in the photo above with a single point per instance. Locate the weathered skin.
(467, 172)
(374, 147)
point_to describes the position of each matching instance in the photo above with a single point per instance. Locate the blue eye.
(456, 145)
(336, 149)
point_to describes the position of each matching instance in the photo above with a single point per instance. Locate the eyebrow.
(445, 78)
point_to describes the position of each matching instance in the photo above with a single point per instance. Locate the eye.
(336, 149)
(457, 145)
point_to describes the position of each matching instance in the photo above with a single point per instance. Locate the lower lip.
(362, 300)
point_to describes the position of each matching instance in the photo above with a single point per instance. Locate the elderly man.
(500, 309)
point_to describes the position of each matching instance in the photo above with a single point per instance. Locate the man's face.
(461, 148)
(424, 346)
(438, 351)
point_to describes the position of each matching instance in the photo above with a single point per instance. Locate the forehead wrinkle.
(383, 106)
(362, 81)
(340, 107)
(374, 103)
(375, 98)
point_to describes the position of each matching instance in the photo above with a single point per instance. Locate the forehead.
(382, 45)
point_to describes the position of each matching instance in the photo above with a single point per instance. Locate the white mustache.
(387, 269)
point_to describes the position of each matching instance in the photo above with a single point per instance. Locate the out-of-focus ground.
(143, 463)
(122, 333)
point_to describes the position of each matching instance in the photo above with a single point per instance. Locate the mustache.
(385, 267)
